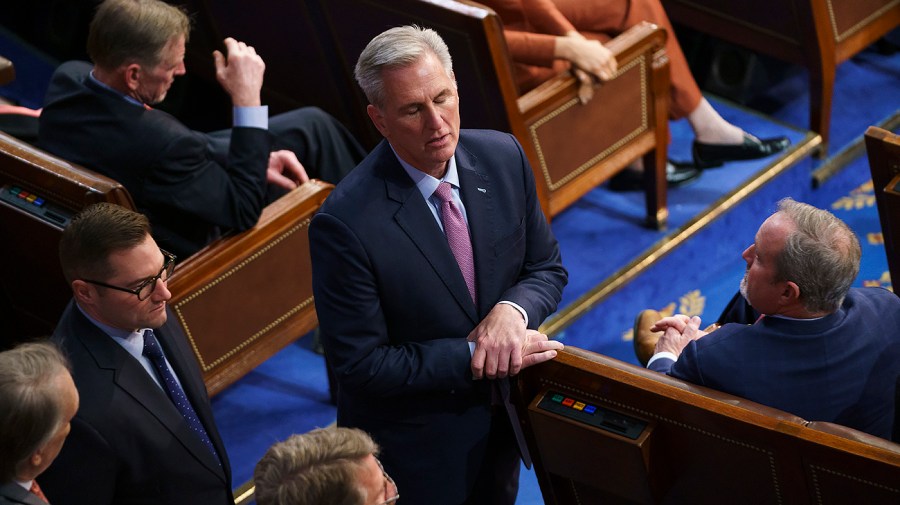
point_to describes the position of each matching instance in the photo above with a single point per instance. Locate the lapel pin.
(482, 190)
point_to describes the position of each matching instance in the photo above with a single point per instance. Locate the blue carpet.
(287, 394)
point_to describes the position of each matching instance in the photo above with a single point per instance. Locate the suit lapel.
(180, 358)
(19, 494)
(415, 219)
(476, 192)
(132, 378)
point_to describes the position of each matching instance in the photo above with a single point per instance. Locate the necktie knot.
(151, 346)
(444, 192)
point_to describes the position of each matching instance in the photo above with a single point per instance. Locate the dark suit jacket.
(14, 494)
(841, 368)
(129, 444)
(174, 174)
(394, 311)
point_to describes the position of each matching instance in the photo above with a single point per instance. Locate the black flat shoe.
(632, 180)
(714, 155)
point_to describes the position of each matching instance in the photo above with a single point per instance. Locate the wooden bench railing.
(239, 300)
(603, 431)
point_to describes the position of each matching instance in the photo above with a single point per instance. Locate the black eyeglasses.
(145, 289)
(388, 485)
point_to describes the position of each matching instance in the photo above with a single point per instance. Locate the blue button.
(590, 409)
(38, 202)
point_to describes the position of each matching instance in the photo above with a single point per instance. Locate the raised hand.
(240, 73)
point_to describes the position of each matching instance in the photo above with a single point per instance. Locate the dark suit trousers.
(323, 145)
(498, 480)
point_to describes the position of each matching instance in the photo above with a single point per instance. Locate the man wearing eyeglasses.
(144, 432)
(326, 465)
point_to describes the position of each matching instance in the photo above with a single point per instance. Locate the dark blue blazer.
(841, 368)
(394, 311)
(176, 175)
(129, 445)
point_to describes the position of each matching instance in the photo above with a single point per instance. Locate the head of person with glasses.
(117, 272)
(335, 465)
(146, 432)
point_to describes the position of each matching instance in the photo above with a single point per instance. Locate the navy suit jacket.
(394, 310)
(841, 368)
(176, 175)
(129, 445)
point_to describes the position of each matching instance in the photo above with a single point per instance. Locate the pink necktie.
(457, 236)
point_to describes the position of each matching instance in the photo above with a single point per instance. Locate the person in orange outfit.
(546, 37)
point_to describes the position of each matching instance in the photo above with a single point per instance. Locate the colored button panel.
(599, 417)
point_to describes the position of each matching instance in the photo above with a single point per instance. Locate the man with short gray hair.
(37, 402)
(821, 349)
(433, 266)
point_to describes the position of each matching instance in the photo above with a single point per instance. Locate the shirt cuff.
(252, 117)
(471, 348)
(517, 307)
(662, 355)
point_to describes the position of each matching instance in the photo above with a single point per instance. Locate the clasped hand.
(678, 330)
(503, 346)
(590, 60)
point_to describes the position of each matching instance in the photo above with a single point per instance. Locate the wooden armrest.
(708, 399)
(848, 437)
(244, 297)
(54, 178)
(625, 120)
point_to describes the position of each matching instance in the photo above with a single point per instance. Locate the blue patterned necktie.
(154, 353)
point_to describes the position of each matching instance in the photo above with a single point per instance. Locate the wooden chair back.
(243, 298)
(604, 431)
(883, 148)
